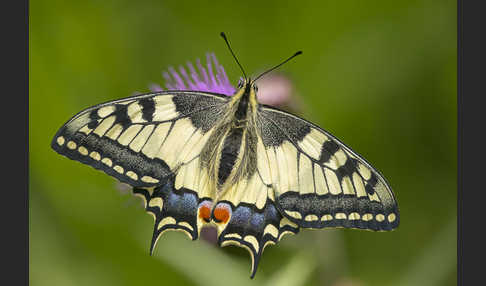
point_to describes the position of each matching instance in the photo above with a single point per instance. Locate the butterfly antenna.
(234, 56)
(277, 66)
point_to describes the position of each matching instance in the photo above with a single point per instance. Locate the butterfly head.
(247, 91)
(247, 85)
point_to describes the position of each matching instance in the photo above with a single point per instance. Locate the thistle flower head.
(274, 89)
(209, 78)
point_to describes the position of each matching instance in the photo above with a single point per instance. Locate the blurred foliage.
(380, 75)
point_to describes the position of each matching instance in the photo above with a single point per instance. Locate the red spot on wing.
(205, 211)
(222, 213)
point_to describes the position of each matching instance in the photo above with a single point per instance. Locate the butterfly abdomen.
(229, 154)
(237, 157)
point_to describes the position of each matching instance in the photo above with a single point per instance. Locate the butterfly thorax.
(230, 154)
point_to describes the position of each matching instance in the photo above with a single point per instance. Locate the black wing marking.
(173, 209)
(246, 216)
(138, 139)
(243, 225)
(320, 182)
(254, 229)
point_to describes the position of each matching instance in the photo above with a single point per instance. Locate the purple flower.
(211, 78)
(274, 89)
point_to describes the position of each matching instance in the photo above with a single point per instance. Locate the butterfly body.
(254, 172)
(230, 153)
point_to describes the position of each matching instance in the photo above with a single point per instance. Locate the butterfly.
(254, 172)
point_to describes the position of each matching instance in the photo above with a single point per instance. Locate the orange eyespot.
(205, 211)
(221, 213)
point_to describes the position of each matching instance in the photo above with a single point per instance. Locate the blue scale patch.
(248, 220)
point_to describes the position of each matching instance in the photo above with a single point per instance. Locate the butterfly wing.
(320, 182)
(153, 143)
(254, 221)
(173, 209)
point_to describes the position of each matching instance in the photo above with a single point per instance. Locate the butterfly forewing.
(140, 139)
(318, 181)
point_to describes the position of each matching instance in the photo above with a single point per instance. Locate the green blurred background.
(380, 75)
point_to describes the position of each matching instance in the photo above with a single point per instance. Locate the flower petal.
(211, 78)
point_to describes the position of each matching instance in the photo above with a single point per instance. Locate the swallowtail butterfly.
(253, 171)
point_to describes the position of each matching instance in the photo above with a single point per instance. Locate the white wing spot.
(95, 155)
(107, 162)
(392, 217)
(367, 217)
(71, 145)
(132, 175)
(60, 140)
(311, 217)
(148, 179)
(272, 230)
(326, 217)
(340, 216)
(119, 169)
(380, 217)
(354, 216)
(83, 151)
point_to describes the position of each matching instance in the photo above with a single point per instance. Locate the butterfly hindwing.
(254, 229)
(318, 181)
(246, 216)
(173, 209)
